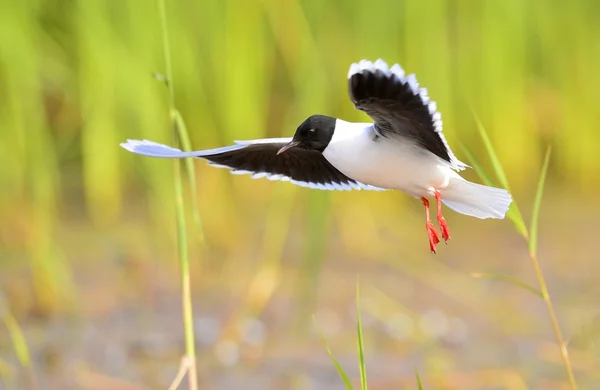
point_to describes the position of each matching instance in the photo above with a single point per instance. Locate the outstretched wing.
(259, 158)
(399, 107)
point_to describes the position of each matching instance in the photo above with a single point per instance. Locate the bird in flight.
(403, 149)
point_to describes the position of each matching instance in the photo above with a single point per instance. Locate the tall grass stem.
(530, 235)
(188, 319)
(532, 244)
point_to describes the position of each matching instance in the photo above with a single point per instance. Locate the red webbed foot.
(441, 221)
(431, 233)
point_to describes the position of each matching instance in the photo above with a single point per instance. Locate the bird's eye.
(311, 131)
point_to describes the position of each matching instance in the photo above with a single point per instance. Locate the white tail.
(476, 200)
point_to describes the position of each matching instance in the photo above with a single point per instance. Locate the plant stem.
(532, 240)
(186, 294)
(564, 353)
(188, 319)
(166, 53)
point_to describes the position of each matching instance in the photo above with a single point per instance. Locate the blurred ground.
(419, 311)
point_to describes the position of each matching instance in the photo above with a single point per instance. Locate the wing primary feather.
(154, 149)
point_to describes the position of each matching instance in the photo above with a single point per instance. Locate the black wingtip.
(374, 80)
(368, 81)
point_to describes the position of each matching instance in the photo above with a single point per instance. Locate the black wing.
(398, 106)
(307, 168)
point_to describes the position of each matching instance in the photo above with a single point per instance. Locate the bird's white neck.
(348, 130)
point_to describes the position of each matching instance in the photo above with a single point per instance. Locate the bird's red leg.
(431, 233)
(440, 217)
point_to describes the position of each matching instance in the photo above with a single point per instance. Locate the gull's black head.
(313, 134)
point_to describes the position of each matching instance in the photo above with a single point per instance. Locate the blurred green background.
(88, 265)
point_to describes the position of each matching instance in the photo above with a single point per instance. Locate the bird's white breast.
(386, 162)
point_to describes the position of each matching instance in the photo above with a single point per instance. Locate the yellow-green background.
(88, 263)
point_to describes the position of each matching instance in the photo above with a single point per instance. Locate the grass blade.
(507, 279)
(361, 355)
(514, 214)
(186, 144)
(491, 153)
(186, 293)
(477, 166)
(533, 227)
(517, 219)
(18, 339)
(333, 359)
(532, 246)
(19, 343)
(419, 384)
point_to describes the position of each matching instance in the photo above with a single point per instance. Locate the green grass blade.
(498, 169)
(419, 384)
(333, 359)
(507, 279)
(19, 343)
(514, 214)
(189, 163)
(361, 355)
(18, 339)
(15, 333)
(186, 293)
(477, 166)
(533, 227)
